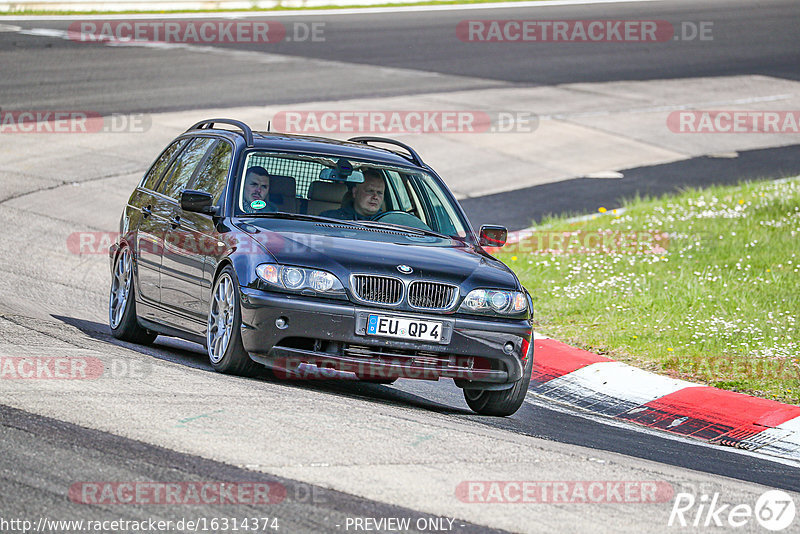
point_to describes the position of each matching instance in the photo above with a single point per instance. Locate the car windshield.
(346, 189)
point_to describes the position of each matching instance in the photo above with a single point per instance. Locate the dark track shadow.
(193, 355)
(374, 393)
(164, 348)
(524, 207)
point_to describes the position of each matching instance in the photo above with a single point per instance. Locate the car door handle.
(146, 212)
(175, 221)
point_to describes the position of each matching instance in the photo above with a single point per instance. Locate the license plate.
(384, 325)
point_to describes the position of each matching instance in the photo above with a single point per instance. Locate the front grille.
(377, 289)
(431, 295)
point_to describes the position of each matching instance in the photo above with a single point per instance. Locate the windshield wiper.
(299, 217)
(359, 223)
(403, 228)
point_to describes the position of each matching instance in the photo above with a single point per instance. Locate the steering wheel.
(402, 218)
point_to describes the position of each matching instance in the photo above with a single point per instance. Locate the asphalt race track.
(334, 451)
(748, 39)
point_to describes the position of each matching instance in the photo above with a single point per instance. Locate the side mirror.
(198, 201)
(493, 236)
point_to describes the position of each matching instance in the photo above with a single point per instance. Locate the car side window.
(443, 218)
(398, 188)
(157, 169)
(214, 170)
(182, 170)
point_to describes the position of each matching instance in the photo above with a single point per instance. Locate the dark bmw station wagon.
(289, 252)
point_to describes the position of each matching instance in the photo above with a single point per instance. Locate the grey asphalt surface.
(533, 419)
(523, 208)
(748, 38)
(43, 456)
(44, 462)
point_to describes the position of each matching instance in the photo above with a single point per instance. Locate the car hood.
(345, 250)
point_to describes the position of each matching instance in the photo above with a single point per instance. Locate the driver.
(363, 201)
(256, 190)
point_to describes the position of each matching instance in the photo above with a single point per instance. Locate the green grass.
(715, 301)
(253, 9)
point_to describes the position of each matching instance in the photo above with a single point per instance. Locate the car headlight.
(494, 302)
(300, 279)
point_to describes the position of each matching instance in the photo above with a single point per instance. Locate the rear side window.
(184, 167)
(214, 170)
(158, 168)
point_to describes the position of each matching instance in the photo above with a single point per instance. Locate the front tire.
(224, 334)
(122, 303)
(504, 402)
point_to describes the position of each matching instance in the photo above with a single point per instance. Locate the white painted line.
(537, 335)
(262, 58)
(792, 425)
(314, 13)
(787, 444)
(605, 175)
(549, 404)
(250, 56)
(609, 381)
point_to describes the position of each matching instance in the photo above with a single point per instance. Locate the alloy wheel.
(220, 319)
(120, 288)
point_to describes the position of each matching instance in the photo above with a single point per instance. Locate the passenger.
(256, 191)
(362, 201)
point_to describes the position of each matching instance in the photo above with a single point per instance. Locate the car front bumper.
(283, 330)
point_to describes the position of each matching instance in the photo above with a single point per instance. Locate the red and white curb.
(613, 389)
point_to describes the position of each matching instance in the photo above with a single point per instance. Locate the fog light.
(281, 322)
(508, 348)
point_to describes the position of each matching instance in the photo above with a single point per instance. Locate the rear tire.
(224, 334)
(504, 402)
(122, 303)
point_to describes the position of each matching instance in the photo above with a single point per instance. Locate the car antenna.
(269, 124)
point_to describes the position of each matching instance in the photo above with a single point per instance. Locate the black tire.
(227, 356)
(504, 402)
(122, 302)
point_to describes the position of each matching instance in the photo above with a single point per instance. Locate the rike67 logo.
(774, 510)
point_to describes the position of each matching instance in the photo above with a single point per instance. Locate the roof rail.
(414, 157)
(246, 132)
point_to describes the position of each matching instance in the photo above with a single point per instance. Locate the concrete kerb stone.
(606, 387)
(599, 385)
